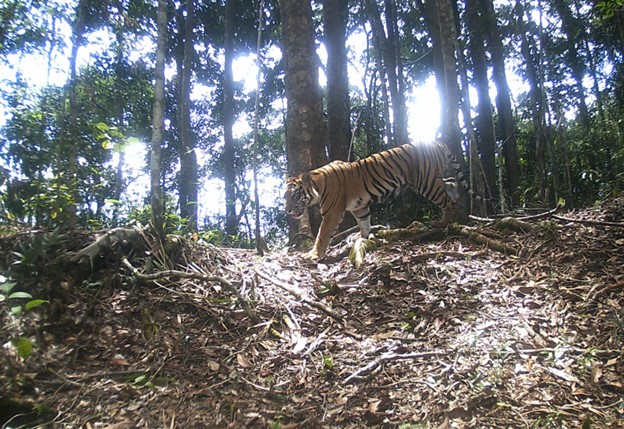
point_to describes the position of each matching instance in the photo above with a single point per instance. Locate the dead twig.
(288, 288)
(194, 275)
(386, 357)
(589, 222)
(521, 218)
(541, 215)
(593, 294)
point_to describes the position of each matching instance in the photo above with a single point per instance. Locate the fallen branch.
(513, 224)
(193, 275)
(386, 357)
(438, 255)
(288, 288)
(354, 229)
(479, 238)
(409, 234)
(541, 215)
(108, 241)
(589, 222)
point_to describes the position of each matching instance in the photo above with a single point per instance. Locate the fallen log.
(481, 239)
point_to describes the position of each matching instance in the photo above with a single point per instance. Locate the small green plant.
(145, 379)
(6, 295)
(328, 362)
(328, 366)
(22, 345)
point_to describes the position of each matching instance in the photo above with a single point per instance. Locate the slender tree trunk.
(477, 182)
(188, 159)
(563, 143)
(486, 139)
(229, 169)
(593, 72)
(506, 125)
(158, 123)
(572, 29)
(538, 102)
(338, 110)
(119, 107)
(441, 20)
(306, 133)
(70, 140)
(390, 56)
(261, 245)
(45, 113)
(445, 22)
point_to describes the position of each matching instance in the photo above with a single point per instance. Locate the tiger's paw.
(312, 256)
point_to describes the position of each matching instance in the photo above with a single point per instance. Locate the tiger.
(429, 168)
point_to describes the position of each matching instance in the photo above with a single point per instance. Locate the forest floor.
(445, 334)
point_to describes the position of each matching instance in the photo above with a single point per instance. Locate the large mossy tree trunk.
(306, 132)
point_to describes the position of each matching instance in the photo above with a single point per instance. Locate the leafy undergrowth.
(435, 335)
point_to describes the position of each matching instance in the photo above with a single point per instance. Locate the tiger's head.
(299, 194)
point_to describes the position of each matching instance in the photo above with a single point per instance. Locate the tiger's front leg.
(329, 223)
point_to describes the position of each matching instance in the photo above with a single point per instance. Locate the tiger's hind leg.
(362, 217)
(446, 197)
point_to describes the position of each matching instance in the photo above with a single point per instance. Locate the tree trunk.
(120, 103)
(338, 110)
(158, 124)
(449, 92)
(593, 72)
(188, 159)
(506, 126)
(69, 142)
(306, 133)
(486, 139)
(477, 182)
(538, 102)
(389, 53)
(572, 28)
(261, 246)
(229, 169)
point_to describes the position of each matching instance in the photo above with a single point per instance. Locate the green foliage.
(23, 346)
(13, 300)
(608, 8)
(174, 223)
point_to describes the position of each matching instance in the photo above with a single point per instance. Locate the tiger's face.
(296, 197)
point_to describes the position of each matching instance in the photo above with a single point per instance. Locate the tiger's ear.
(305, 178)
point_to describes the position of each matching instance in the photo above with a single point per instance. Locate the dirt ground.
(442, 334)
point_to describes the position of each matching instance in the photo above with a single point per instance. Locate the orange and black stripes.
(343, 186)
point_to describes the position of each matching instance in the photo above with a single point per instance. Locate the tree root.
(479, 238)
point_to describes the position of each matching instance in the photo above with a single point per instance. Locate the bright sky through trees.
(423, 110)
